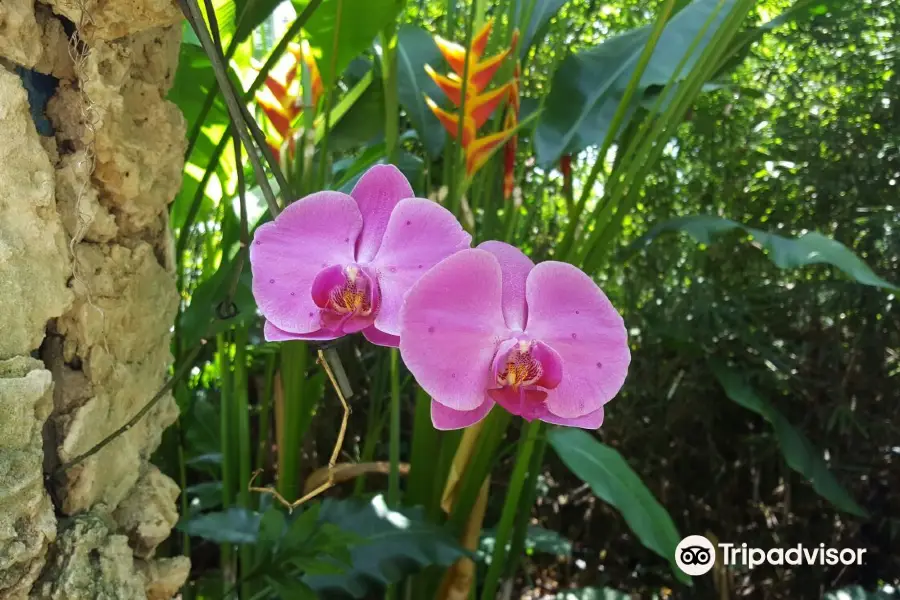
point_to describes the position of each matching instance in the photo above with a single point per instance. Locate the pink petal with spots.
(314, 232)
(592, 420)
(420, 234)
(377, 192)
(450, 326)
(273, 334)
(568, 312)
(515, 266)
(444, 418)
(380, 338)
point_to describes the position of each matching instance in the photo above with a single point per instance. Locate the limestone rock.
(20, 35)
(118, 331)
(89, 561)
(106, 20)
(33, 253)
(164, 577)
(27, 524)
(149, 512)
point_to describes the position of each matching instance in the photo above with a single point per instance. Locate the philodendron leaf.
(415, 49)
(233, 526)
(787, 253)
(613, 481)
(798, 451)
(537, 539)
(393, 544)
(588, 86)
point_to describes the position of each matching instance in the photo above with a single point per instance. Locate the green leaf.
(233, 526)
(200, 317)
(787, 253)
(360, 22)
(395, 543)
(588, 86)
(415, 49)
(613, 481)
(798, 451)
(543, 11)
(249, 14)
(362, 123)
(290, 588)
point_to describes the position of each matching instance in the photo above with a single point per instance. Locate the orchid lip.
(524, 370)
(348, 297)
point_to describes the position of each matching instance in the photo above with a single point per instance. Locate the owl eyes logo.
(695, 555)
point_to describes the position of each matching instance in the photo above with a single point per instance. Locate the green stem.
(329, 96)
(526, 501)
(394, 475)
(421, 461)
(244, 453)
(391, 102)
(294, 357)
(225, 433)
(510, 508)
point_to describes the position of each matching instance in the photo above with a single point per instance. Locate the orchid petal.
(444, 418)
(313, 233)
(377, 192)
(515, 266)
(380, 338)
(451, 324)
(568, 312)
(592, 420)
(420, 234)
(273, 334)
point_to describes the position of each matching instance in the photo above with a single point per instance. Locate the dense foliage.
(760, 405)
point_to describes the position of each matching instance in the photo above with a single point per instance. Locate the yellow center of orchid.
(522, 368)
(350, 297)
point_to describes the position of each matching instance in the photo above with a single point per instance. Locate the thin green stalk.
(294, 359)
(227, 452)
(458, 156)
(643, 60)
(479, 466)
(265, 413)
(526, 501)
(391, 102)
(329, 97)
(375, 419)
(244, 453)
(394, 474)
(421, 461)
(510, 508)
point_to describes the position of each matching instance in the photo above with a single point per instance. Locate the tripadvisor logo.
(696, 555)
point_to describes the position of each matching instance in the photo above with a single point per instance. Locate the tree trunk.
(91, 155)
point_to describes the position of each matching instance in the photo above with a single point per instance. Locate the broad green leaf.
(360, 22)
(613, 481)
(249, 14)
(394, 543)
(798, 451)
(592, 593)
(362, 123)
(415, 49)
(787, 253)
(200, 318)
(588, 86)
(233, 526)
(290, 588)
(543, 11)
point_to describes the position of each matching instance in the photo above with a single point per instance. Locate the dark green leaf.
(200, 317)
(588, 86)
(233, 526)
(798, 451)
(395, 543)
(360, 22)
(614, 482)
(415, 49)
(362, 123)
(537, 539)
(787, 253)
(290, 588)
(249, 14)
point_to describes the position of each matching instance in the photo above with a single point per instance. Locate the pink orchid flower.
(487, 326)
(332, 264)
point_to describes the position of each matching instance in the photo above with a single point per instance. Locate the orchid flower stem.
(394, 474)
(510, 508)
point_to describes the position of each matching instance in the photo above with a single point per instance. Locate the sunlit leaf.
(541, 14)
(798, 451)
(233, 526)
(614, 482)
(592, 593)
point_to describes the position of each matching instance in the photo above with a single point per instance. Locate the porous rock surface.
(86, 284)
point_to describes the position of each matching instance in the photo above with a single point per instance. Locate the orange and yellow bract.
(479, 104)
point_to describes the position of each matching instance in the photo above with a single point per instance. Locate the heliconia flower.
(509, 124)
(487, 326)
(479, 104)
(281, 99)
(332, 264)
(565, 166)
